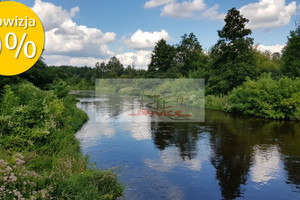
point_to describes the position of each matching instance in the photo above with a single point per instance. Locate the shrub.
(217, 103)
(28, 115)
(268, 98)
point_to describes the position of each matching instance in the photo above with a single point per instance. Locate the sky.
(81, 33)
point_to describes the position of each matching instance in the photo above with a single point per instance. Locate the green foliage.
(19, 183)
(9, 101)
(39, 75)
(115, 67)
(28, 119)
(189, 55)
(92, 184)
(268, 98)
(291, 55)
(60, 88)
(181, 91)
(267, 63)
(162, 61)
(232, 57)
(217, 103)
(42, 127)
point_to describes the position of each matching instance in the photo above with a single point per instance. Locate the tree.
(129, 71)
(114, 67)
(189, 54)
(39, 74)
(267, 62)
(232, 56)
(162, 60)
(100, 69)
(291, 54)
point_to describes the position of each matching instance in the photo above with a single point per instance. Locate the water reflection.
(240, 142)
(172, 156)
(184, 136)
(228, 156)
(266, 163)
(140, 131)
(231, 160)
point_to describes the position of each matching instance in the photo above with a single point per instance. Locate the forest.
(239, 78)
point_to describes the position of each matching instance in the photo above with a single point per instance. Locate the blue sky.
(82, 32)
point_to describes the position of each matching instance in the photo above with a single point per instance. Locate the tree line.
(229, 64)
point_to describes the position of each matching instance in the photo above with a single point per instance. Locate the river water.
(226, 157)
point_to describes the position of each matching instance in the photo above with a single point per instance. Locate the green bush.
(217, 103)
(28, 115)
(268, 98)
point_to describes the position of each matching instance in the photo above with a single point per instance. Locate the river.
(226, 157)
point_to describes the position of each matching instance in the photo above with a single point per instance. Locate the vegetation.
(266, 97)
(291, 55)
(40, 157)
(163, 61)
(269, 98)
(232, 56)
(239, 78)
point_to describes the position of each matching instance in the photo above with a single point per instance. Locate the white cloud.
(272, 49)
(141, 58)
(73, 40)
(184, 9)
(213, 14)
(145, 40)
(155, 3)
(74, 11)
(52, 16)
(64, 38)
(195, 9)
(58, 60)
(267, 14)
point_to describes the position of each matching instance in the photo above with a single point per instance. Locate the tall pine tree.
(232, 56)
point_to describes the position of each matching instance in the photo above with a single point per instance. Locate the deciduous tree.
(291, 55)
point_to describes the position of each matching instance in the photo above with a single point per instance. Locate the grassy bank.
(40, 157)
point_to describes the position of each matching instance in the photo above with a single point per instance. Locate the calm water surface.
(226, 157)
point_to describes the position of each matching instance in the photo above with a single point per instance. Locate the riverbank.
(40, 157)
(265, 98)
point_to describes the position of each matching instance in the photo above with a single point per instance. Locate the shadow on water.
(228, 156)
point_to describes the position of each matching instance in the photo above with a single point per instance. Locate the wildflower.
(19, 161)
(2, 188)
(12, 177)
(8, 169)
(35, 174)
(3, 164)
(18, 155)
